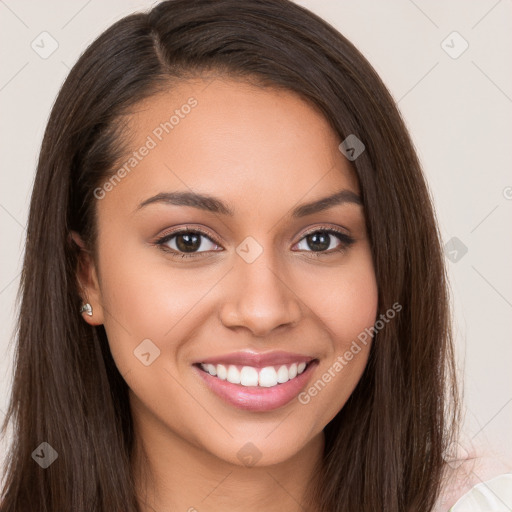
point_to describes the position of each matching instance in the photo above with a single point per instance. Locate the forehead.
(248, 144)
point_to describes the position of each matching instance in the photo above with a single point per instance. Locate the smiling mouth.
(250, 376)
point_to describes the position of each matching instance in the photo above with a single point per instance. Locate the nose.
(259, 298)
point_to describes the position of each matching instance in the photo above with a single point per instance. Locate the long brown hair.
(384, 449)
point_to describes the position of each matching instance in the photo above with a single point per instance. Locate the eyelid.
(346, 240)
(323, 228)
(161, 240)
(187, 229)
(167, 236)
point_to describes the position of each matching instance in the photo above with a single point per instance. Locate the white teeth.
(211, 369)
(249, 376)
(233, 375)
(222, 373)
(267, 377)
(282, 375)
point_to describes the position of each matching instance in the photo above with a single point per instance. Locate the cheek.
(352, 304)
(145, 297)
(344, 298)
(346, 307)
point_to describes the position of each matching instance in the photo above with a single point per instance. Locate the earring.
(86, 308)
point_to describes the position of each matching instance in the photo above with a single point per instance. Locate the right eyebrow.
(201, 201)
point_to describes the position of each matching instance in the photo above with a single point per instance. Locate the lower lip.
(255, 398)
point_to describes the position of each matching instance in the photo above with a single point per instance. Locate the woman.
(233, 294)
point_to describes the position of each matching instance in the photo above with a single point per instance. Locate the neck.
(170, 473)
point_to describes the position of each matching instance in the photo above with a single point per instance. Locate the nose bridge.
(261, 299)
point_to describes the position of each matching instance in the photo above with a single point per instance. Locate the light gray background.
(458, 111)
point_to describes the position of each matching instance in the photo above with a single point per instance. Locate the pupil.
(319, 241)
(188, 242)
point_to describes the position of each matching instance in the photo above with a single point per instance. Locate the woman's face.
(263, 277)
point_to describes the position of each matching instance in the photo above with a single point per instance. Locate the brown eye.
(321, 240)
(187, 242)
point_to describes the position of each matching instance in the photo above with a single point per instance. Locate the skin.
(263, 152)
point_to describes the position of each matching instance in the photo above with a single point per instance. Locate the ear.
(88, 283)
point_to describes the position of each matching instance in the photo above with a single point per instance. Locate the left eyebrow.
(341, 197)
(216, 205)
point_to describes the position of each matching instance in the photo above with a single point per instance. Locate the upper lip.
(258, 359)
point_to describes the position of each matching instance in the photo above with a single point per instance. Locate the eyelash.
(346, 241)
